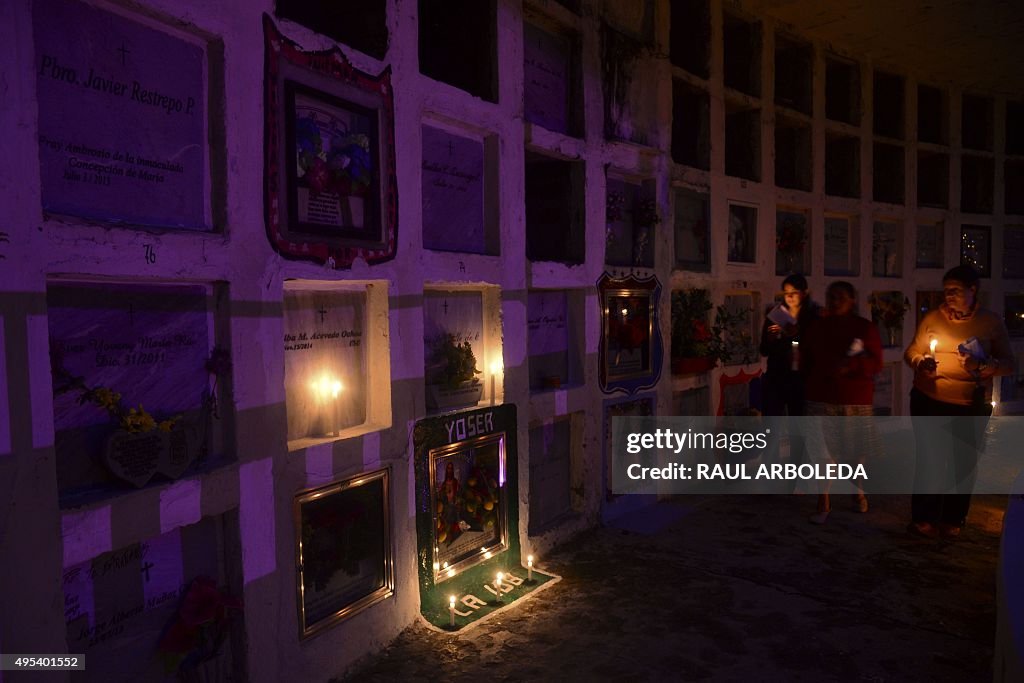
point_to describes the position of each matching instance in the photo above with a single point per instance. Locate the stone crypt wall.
(577, 104)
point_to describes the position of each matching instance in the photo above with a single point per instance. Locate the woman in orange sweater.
(956, 352)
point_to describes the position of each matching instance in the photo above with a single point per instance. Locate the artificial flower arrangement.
(199, 628)
(453, 363)
(691, 336)
(132, 420)
(343, 165)
(889, 308)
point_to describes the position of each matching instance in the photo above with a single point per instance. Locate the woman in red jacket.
(839, 359)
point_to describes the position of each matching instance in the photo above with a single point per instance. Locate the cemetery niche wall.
(331, 192)
(467, 516)
(138, 384)
(135, 149)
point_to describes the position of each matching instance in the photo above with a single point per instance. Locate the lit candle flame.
(496, 367)
(451, 601)
(932, 344)
(326, 387)
(529, 560)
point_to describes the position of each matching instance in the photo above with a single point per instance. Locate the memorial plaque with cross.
(453, 192)
(546, 75)
(119, 606)
(325, 366)
(135, 148)
(548, 339)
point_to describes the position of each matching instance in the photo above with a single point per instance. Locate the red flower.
(701, 333)
(318, 175)
(178, 639)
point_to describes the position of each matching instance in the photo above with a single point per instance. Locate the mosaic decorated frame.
(330, 189)
(343, 556)
(631, 350)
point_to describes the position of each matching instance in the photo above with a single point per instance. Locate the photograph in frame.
(628, 333)
(343, 550)
(468, 502)
(334, 182)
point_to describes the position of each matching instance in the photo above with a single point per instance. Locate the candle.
(326, 390)
(451, 610)
(794, 355)
(529, 567)
(497, 584)
(495, 369)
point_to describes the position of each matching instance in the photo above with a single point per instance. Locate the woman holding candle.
(780, 343)
(956, 352)
(840, 356)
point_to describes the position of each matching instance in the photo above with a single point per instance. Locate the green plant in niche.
(691, 336)
(455, 363)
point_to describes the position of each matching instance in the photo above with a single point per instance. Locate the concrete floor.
(738, 588)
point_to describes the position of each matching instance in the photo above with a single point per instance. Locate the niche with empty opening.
(742, 43)
(932, 116)
(976, 123)
(842, 165)
(842, 90)
(888, 105)
(1013, 175)
(793, 69)
(690, 36)
(793, 162)
(976, 184)
(362, 25)
(691, 129)
(457, 45)
(1015, 128)
(742, 141)
(932, 179)
(554, 209)
(887, 181)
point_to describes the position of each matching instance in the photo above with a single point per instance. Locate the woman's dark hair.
(796, 281)
(844, 286)
(963, 274)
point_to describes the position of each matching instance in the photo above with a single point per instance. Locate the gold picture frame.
(468, 504)
(343, 556)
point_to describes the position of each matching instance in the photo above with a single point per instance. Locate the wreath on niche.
(137, 431)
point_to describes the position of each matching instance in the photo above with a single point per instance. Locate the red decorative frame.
(323, 69)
